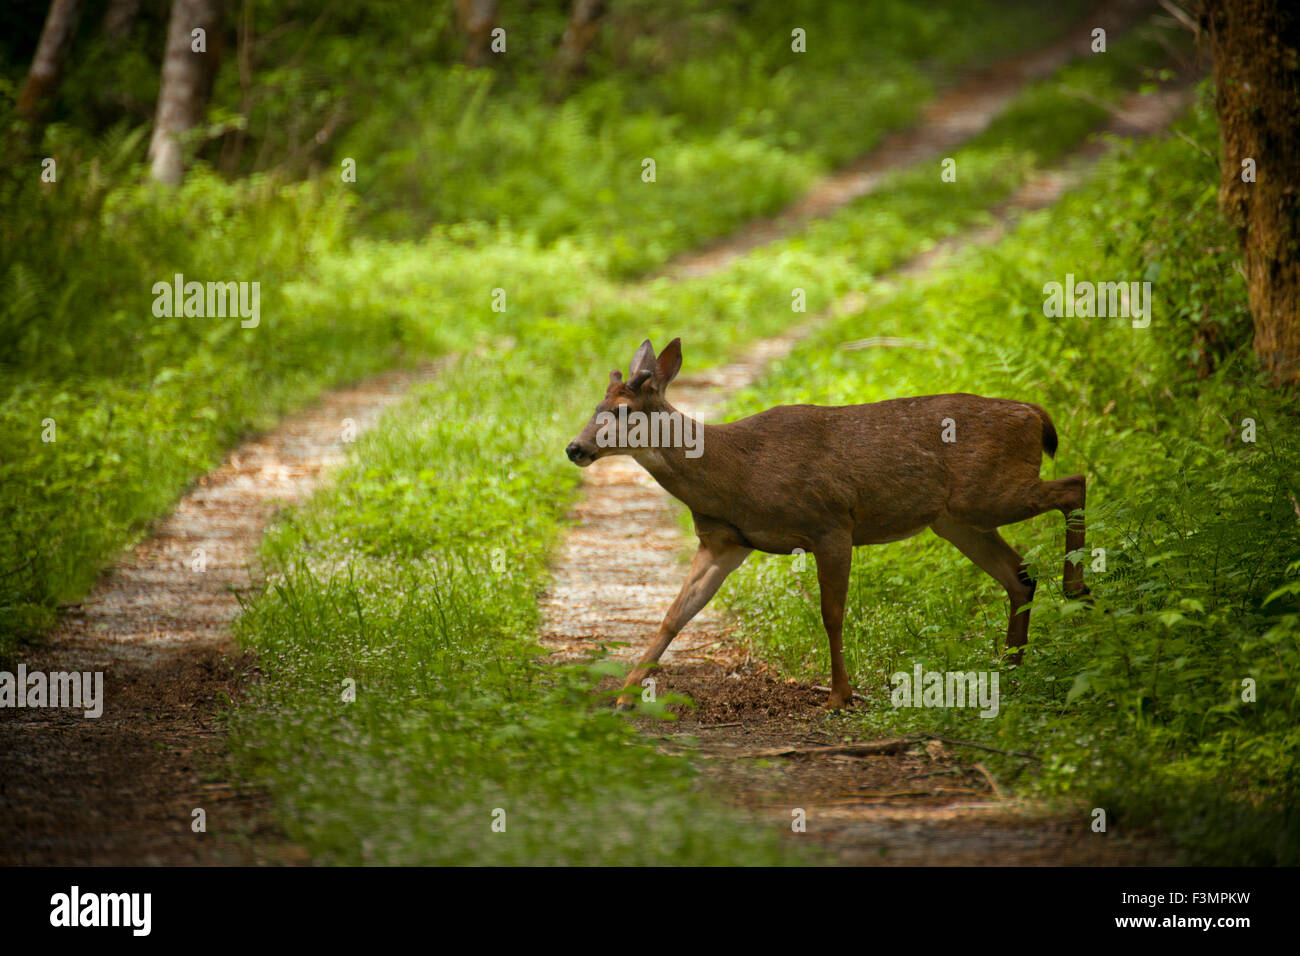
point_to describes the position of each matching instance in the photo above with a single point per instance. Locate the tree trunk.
(120, 18)
(476, 19)
(584, 25)
(186, 83)
(47, 65)
(1256, 50)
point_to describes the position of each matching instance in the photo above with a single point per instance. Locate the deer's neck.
(693, 470)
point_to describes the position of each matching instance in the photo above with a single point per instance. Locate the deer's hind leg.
(1067, 495)
(989, 551)
(1021, 499)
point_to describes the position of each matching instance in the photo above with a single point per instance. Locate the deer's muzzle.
(580, 456)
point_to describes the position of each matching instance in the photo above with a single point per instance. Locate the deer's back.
(888, 469)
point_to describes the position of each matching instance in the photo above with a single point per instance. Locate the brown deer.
(825, 479)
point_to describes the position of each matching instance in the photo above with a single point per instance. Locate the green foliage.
(1138, 703)
(140, 404)
(737, 124)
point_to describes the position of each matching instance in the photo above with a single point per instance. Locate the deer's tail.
(1049, 430)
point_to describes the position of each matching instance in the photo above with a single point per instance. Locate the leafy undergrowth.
(1171, 703)
(736, 121)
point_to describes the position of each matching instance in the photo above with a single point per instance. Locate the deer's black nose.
(573, 451)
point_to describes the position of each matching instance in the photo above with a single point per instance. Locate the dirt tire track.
(121, 788)
(621, 566)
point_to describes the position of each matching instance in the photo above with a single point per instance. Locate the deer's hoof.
(836, 702)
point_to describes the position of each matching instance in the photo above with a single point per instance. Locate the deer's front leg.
(709, 568)
(834, 561)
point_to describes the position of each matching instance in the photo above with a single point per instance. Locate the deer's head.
(643, 392)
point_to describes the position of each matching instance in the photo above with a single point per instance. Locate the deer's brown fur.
(827, 479)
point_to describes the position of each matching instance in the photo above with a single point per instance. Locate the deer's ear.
(644, 360)
(615, 377)
(670, 363)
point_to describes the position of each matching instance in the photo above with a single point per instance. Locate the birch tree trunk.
(583, 28)
(186, 82)
(476, 20)
(51, 54)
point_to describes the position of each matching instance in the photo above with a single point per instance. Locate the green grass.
(1137, 705)
(737, 123)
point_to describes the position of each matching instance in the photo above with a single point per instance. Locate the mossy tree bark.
(1256, 50)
